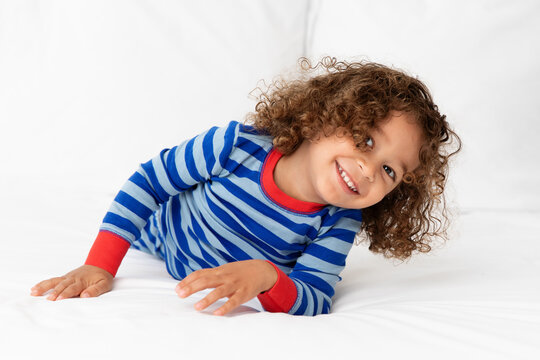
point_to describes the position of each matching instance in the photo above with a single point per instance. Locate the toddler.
(271, 208)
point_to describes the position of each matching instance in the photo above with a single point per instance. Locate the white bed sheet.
(478, 296)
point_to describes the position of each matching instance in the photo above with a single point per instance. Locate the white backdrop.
(90, 89)
(480, 59)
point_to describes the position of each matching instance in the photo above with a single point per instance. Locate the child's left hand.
(239, 281)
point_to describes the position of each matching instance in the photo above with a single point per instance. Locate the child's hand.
(86, 281)
(239, 281)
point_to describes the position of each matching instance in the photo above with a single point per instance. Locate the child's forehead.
(396, 119)
(361, 128)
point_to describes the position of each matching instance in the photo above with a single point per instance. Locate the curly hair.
(358, 97)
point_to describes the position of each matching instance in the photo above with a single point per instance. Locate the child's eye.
(389, 171)
(369, 142)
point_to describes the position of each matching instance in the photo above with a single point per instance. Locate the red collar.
(275, 194)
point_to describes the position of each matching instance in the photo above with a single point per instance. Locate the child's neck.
(291, 175)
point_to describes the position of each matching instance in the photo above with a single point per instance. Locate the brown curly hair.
(357, 97)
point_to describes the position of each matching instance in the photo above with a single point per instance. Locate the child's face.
(341, 174)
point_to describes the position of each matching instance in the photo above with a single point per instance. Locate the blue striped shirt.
(203, 204)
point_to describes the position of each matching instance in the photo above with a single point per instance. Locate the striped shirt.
(213, 200)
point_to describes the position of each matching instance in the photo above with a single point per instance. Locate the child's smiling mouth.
(348, 185)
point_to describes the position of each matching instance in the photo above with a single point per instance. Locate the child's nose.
(368, 170)
(370, 175)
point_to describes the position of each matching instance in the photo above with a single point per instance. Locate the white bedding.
(478, 297)
(89, 89)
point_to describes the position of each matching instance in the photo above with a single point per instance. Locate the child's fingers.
(44, 286)
(194, 276)
(97, 289)
(59, 288)
(211, 298)
(197, 281)
(201, 283)
(233, 302)
(70, 291)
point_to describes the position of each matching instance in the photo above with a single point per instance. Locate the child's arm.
(86, 281)
(154, 183)
(307, 290)
(168, 174)
(317, 270)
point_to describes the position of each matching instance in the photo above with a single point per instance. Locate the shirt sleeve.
(308, 289)
(171, 172)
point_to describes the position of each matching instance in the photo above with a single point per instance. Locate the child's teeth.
(346, 179)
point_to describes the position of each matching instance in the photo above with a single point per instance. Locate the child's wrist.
(270, 275)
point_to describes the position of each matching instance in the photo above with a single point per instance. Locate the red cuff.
(282, 296)
(107, 252)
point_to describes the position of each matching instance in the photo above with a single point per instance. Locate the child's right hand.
(86, 281)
